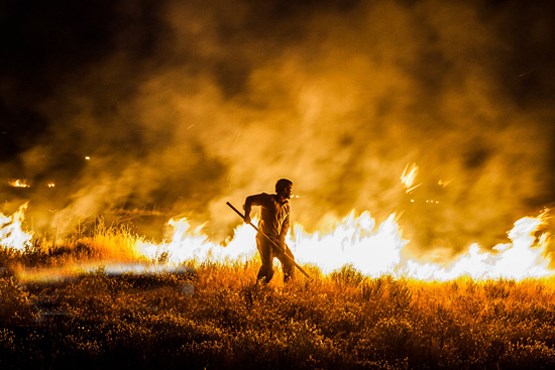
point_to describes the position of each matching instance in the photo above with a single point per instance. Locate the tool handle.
(271, 240)
(236, 210)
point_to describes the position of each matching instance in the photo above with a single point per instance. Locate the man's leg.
(266, 271)
(286, 264)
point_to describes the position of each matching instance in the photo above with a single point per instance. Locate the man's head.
(284, 188)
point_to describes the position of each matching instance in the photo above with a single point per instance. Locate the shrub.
(15, 306)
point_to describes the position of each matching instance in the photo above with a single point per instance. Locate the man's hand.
(247, 209)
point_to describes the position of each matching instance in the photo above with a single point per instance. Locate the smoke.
(185, 105)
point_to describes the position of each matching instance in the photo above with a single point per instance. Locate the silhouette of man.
(274, 222)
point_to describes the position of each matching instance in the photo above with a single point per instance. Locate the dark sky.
(184, 105)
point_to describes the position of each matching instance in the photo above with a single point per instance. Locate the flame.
(409, 176)
(525, 257)
(354, 241)
(190, 244)
(12, 235)
(373, 248)
(19, 183)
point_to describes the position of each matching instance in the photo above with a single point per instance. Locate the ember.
(409, 176)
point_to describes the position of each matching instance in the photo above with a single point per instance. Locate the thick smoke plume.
(182, 106)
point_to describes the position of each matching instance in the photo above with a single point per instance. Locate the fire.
(409, 176)
(12, 235)
(524, 257)
(19, 183)
(355, 240)
(373, 248)
(190, 244)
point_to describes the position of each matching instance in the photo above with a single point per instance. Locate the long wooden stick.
(276, 245)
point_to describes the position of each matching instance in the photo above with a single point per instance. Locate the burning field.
(419, 135)
(114, 299)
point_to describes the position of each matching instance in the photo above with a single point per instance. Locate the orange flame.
(12, 235)
(354, 241)
(524, 257)
(375, 249)
(19, 183)
(372, 249)
(192, 245)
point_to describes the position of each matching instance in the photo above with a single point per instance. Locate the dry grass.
(341, 321)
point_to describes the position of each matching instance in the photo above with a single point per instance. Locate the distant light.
(412, 200)
(51, 185)
(19, 183)
(87, 158)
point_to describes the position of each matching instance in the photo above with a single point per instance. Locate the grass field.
(94, 302)
(215, 317)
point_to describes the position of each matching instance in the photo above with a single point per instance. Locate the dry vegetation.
(216, 318)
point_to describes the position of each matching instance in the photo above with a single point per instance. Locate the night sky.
(184, 105)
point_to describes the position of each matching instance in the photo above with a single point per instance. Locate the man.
(274, 223)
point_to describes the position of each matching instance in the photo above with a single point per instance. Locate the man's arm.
(253, 200)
